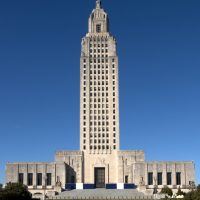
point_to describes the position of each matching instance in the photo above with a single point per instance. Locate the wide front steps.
(103, 194)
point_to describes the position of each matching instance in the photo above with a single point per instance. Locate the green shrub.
(180, 192)
(167, 191)
(15, 191)
(193, 195)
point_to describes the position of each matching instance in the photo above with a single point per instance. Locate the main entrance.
(99, 174)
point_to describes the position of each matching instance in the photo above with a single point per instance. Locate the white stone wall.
(57, 170)
(108, 161)
(186, 169)
(74, 164)
(127, 165)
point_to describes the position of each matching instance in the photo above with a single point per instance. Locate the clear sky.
(159, 54)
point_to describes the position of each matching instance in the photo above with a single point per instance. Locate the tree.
(167, 191)
(198, 188)
(15, 191)
(180, 192)
(193, 195)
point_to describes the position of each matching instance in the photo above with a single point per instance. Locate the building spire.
(98, 4)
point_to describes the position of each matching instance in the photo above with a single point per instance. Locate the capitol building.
(100, 163)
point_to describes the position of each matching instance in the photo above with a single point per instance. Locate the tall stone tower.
(99, 104)
(99, 117)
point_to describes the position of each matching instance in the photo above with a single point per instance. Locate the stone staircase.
(103, 194)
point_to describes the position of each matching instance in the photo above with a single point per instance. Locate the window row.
(159, 178)
(98, 89)
(99, 50)
(99, 111)
(99, 123)
(99, 141)
(99, 100)
(39, 179)
(100, 117)
(99, 147)
(99, 106)
(103, 135)
(98, 45)
(105, 77)
(98, 82)
(99, 56)
(96, 66)
(103, 123)
(95, 105)
(84, 60)
(100, 67)
(98, 94)
(98, 71)
(102, 101)
(102, 60)
(99, 129)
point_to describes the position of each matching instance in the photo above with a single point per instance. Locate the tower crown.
(98, 21)
(98, 4)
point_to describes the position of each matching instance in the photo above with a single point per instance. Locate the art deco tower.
(99, 104)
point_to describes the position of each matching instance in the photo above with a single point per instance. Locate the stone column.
(26, 175)
(53, 179)
(133, 173)
(183, 179)
(108, 173)
(77, 169)
(120, 169)
(173, 174)
(44, 171)
(155, 174)
(164, 176)
(35, 175)
(146, 174)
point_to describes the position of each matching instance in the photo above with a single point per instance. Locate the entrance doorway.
(99, 174)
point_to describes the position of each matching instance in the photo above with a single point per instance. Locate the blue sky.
(159, 54)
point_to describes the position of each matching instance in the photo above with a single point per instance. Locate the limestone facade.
(123, 167)
(99, 131)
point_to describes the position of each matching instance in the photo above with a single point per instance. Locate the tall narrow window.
(98, 28)
(150, 178)
(30, 179)
(126, 179)
(39, 179)
(21, 178)
(48, 179)
(178, 178)
(169, 178)
(159, 178)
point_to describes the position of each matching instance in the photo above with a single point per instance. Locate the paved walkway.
(103, 194)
